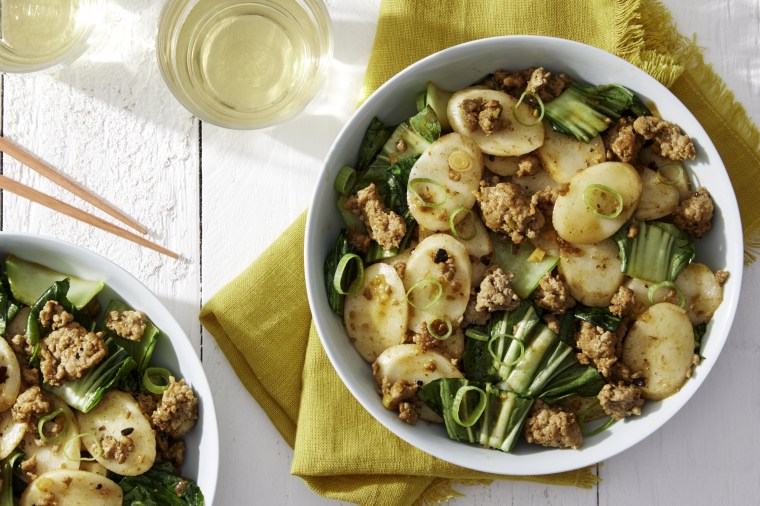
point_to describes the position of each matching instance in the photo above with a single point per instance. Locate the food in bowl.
(87, 415)
(509, 276)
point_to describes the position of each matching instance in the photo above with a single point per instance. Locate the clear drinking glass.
(41, 34)
(244, 63)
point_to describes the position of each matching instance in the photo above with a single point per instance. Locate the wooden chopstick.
(45, 170)
(56, 205)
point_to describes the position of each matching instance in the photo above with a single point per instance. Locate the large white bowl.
(202, 442)
(456, 67)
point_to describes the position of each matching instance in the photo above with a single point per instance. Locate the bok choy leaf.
(658, 252)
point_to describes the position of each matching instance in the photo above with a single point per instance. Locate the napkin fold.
(261, 319)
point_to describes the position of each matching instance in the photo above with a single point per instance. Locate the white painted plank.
(108, 122)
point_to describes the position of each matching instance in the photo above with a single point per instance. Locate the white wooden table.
(219, 197)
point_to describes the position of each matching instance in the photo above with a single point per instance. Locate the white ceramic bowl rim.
(393, 102)
(202, 442)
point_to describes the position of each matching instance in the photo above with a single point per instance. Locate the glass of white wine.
(41, 34)
(244, 63)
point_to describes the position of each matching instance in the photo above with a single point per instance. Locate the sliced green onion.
(345, 180)
(159, 373)
(431, 325)
(582, 420)
(540, 108)
(47, 418)
(421, 101)
(604, 188)
(72, 439)
(653, 289)
(453, 224)
(476, 334)
(496, 356)
(666, 179)
(606, 425)
(425, 180)
(418, 284)
(473, 416)
(340, 272)
(586, 411)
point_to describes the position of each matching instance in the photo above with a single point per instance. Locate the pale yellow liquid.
(35, 33)
(238, 62)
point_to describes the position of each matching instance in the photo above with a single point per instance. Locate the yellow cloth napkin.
(261, 319)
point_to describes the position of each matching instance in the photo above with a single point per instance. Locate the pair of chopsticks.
(45, 170)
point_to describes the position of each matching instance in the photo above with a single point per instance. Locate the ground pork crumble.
(668, 140)
(620, 400)
(53, 315)
(695, 213)
(28, 468)
(398, 396)
(487, 115)
(506, 208)
(471, 315)
(552, 426)
(495, 293)
(30, 405)
(117, 449)
(127, 324)
(67, 353)
(425, 340)
(546, 85)
(622, 141)
(385, 226)
(528, 165)
(622, 302)
(177, 410)
(553, 294)
(598, 347)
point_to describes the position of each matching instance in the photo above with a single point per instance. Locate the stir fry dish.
(517, 259)
(85, 417)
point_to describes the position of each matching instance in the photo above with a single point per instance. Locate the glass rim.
(171, 19)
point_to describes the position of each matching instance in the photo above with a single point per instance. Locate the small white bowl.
(456, 67)
(202, 442)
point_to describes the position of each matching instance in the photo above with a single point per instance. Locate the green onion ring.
(421, 101)
(586, 411)
(156, 372)
(476, 334)
(442, 337)
(340, 271)
(453, 225)
(653, 289)
(540, 107)
(661, 177)
(419, 283)
(345, 180)
(475, 414)
(587, 193)
(497, 358)
(52, 416)
(98, 453)
(426, 180)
